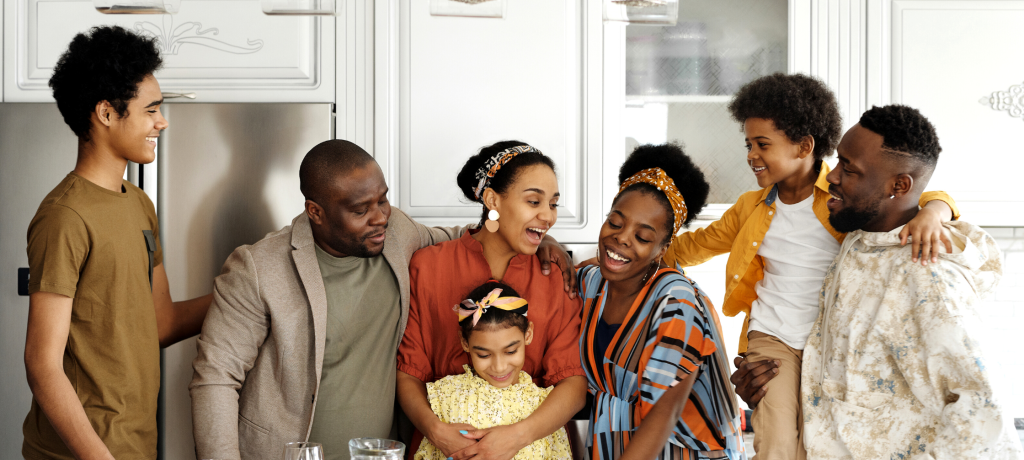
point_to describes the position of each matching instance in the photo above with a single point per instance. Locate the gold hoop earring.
(492, 221)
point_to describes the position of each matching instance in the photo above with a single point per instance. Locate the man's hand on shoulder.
(550, 251)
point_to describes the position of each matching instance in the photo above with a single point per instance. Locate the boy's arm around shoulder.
(235, 328)
(700, 245)
(940, 197)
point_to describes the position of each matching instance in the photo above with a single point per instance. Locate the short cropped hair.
(325, 162)
(905, 132)
(105, 64)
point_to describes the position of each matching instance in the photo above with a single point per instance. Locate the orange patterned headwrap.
(661, 181)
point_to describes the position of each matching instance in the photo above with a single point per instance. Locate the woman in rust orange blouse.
(517, 187)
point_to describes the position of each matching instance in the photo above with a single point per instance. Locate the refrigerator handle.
(177, 95)
(23, 281)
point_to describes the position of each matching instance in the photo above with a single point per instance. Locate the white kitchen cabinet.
(447, 86)
(222, 50)
(948, 59)
(959, 63)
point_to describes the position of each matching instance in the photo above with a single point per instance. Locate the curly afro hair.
(905, 131)
(506, 175)
(798, 105)
(107, 64)
(679, 167)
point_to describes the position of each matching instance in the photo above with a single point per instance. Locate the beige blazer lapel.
(395, 255)
(304, 255)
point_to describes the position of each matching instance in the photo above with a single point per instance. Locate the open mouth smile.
(614, 261)
(536, 234)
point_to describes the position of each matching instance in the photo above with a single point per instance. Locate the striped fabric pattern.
(670, 332)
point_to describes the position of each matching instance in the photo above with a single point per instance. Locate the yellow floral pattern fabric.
(466, 398)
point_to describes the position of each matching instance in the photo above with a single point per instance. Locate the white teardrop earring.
(492, 221)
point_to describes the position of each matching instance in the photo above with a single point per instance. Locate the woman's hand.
(929, 236)
(449, 437)
(496, 443)
(751, 378)
(550, 251)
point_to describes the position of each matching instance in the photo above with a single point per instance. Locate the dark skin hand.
(550, 251)
(751, 378)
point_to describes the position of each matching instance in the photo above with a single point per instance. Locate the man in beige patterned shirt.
(893, 368)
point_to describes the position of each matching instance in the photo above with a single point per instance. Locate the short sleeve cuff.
(67, 291)
(553, 377)
(415, 372)
(943, 197)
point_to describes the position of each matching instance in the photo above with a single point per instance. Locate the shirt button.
(735, 277)
(755, 243)
(770, 212)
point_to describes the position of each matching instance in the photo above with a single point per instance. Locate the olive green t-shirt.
(357, 384)
(94, 245)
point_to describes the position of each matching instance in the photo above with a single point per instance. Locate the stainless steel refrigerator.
(225, 175)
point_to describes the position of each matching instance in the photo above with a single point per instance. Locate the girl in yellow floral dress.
(495, 391)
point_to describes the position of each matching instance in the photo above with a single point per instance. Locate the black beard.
(850, 219)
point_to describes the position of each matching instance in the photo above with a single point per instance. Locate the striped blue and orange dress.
(670, 331)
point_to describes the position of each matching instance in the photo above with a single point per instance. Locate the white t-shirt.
(797, 250)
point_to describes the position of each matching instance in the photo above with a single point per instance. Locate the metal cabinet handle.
(177, 95)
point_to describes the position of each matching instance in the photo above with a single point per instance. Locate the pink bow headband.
(470, 308)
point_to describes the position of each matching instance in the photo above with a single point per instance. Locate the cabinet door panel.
(948, 58)
(469, 82)
(223, 50)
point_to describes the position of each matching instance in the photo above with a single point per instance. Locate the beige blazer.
(261, 350)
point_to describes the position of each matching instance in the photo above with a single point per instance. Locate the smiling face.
(353, 220)
(498, 353)
(633, 236)
(133, 137)
(772, 156)
(527, 209)
(858, 184)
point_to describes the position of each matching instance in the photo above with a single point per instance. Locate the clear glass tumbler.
(375, 449)
(303, 451)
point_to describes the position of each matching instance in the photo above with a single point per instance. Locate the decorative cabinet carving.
(946, 55)
(222, 50)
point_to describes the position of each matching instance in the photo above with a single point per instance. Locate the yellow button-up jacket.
(740, 232)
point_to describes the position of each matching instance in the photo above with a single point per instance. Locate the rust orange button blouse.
(442, 275)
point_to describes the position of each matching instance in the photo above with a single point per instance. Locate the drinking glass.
(303, 451)
(375, 449)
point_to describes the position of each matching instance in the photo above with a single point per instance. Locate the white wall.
(1004, 313)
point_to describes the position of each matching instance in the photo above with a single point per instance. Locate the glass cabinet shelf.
(680, 79)
(678, 98)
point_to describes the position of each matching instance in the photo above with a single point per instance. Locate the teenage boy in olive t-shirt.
(99, 305)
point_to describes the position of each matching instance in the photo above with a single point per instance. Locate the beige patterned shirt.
(893, 368)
